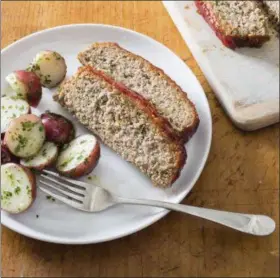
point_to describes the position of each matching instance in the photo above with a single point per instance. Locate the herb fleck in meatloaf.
(125, 122)
(272, 8)
(147, 80)
(236, 23)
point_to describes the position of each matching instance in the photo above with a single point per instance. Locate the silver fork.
(92, 198)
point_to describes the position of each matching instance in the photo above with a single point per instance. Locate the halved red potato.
(26, 85)
(12, 108)
(25, 136)
(18, 188)
(80, 157)
(50, 67)
(43, 159)
(58, 129)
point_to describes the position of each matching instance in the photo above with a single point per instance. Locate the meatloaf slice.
(236, 23)
(148, 81)
(125, 122)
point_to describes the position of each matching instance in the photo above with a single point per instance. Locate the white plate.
(61, 224)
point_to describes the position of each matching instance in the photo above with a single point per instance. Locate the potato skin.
(84, 167)
(6, 155)
(32, 84)
(58, 129)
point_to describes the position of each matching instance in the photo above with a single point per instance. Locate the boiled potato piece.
(18, 188)
(43, 159)
(12, 108)
(25, 136)
(80, 157)
(58, 129)
(26, 85)
(50, 67)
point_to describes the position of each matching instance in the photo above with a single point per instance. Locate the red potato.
(80, 157)
(27, 85)
(25, 136)
(50, 67)
(6, 155)
(12, 108)
(44, 158)
(18, 188)
(58, 129)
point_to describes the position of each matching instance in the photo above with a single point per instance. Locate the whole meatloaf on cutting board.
(236, 23)
(150, 82)
(125, 122)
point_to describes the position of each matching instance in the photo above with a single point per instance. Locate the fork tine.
(62, 199)
(70, 187)
(63, 191)
(75, 182)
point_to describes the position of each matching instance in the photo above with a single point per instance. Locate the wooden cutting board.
(246, 80)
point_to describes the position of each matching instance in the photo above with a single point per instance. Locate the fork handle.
(259, 225)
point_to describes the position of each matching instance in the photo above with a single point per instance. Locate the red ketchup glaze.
(206, 14)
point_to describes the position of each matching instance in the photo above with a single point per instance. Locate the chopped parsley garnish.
(22, 142)
(57, 56)
(11, 178)
(80, 157)
(50, 198)
(44, 152)
(41, 128)
(65, 163)
(83, 141)
(47, 80)
(33, 67)
(27, 126)
(6, 195)
(28, 189)
(17, 190)
(21, 108)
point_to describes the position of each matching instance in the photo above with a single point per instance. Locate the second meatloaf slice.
(236, 23)
(125, 122)
(148, 81)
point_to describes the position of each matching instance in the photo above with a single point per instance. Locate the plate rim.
(31, 233)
